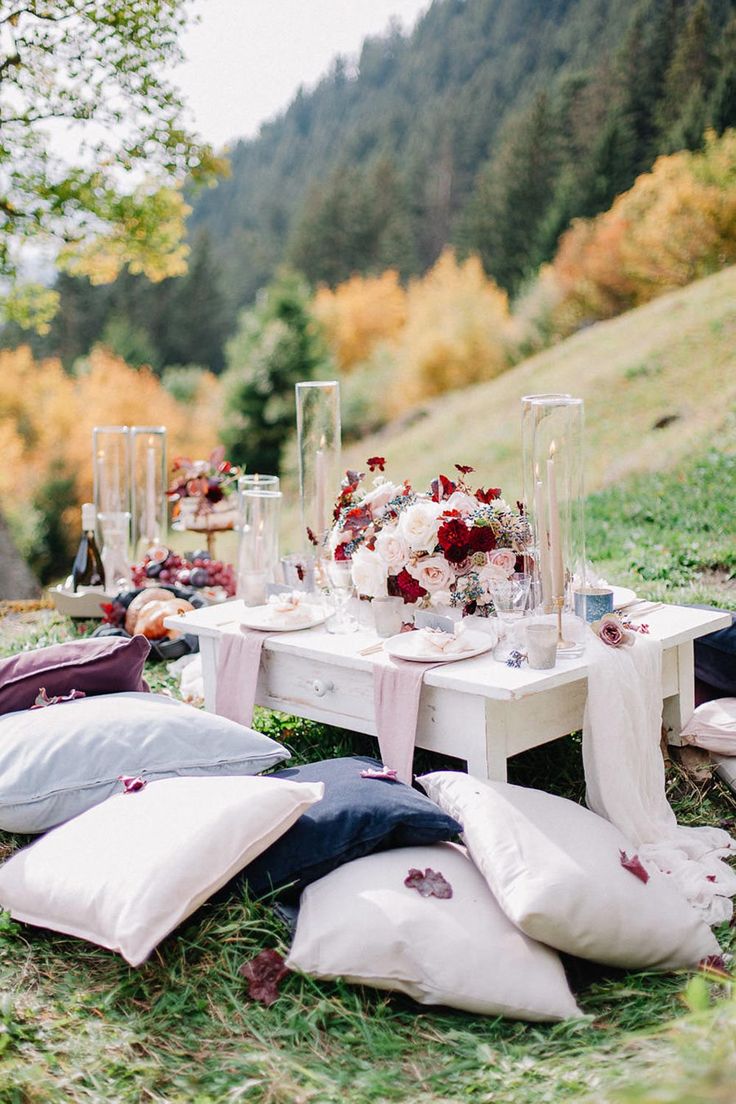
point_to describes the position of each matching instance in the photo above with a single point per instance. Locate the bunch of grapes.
(194, 569)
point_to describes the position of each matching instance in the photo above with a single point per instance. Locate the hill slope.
(673, 358)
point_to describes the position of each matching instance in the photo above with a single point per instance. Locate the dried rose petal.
(43, 700)
(263, 974)
(634, 865)
(384, 772)
(715, 964)
(430, 883)
(132, 783)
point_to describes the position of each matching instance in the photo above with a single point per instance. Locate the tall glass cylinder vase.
(555, 477)
(530, 411)
(148, 472)
(111, 468)
(258, 552)
(319, 440)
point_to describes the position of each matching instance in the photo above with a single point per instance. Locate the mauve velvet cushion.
(104, 665)
(356, 817)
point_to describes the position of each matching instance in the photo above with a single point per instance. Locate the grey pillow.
(58, 761)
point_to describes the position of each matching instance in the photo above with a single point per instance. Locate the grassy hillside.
(674, 359)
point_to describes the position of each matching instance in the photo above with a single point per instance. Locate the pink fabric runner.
(238, 664)
(397, 687)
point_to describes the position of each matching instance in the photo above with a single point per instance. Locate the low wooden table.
(478, 710)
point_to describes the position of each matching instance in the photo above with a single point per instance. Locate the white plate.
(263, 618)
(405, 645)
(622, 595)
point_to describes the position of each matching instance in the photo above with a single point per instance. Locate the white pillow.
(126, 872)
(58, 761)
(363, 924)
(713, 726)
(555, 869)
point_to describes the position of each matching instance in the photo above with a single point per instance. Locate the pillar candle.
(545, 574)
(555, 544)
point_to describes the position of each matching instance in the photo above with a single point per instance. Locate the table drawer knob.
(321, 687)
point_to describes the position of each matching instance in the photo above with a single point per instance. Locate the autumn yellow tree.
(455, 331)
(360, 313)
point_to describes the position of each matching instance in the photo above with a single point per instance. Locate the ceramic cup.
(592, 602)
(541, 646)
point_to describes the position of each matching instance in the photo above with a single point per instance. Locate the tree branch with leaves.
(95, 69)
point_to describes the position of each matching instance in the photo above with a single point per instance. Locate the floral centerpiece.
(203, 488)
(443, 547)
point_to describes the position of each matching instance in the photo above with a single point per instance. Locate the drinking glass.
(511, 602)
(340, 580)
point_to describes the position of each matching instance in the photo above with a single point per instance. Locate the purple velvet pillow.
(102, 665)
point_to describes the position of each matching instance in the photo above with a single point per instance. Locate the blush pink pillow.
(100, 665)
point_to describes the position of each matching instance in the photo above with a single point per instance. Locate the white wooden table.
(478, 710)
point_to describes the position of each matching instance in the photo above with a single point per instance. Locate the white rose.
(393, 549)
(369, 574)
(461, 501)
(433, 573)
(382, 493)
(419, 524)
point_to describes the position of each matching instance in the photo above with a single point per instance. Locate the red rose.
(489, 495)
(340, 554)
(452, 537)
(482, 539)
(410, 589)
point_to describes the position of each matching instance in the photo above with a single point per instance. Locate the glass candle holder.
(554, 463)
(258, 552)
(530, 411)
(111, 466)
(111, 473)
(255, 482)
(318, 434)
(148, 471)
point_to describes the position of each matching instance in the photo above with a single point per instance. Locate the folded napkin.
(443, 643)
(289, 608)
(397, 688)
(625, 778)
(238, 664)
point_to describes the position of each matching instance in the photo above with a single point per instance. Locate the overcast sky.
(247, 58)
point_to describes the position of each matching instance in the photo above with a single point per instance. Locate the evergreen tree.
(505, 224)
(277, 344)
(682, 113)
(192, 329)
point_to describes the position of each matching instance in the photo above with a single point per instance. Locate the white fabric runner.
(625, 777)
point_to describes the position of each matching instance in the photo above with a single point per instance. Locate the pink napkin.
(238, 664)
(397, 687)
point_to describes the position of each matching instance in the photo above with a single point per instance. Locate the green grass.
(78, 1026)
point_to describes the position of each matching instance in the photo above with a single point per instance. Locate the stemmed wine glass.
(511, 600)
(340, 579)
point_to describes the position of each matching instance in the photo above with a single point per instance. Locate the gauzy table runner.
(625, 775)
(397, 688)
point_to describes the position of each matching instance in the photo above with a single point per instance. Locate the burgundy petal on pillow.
(101, 665)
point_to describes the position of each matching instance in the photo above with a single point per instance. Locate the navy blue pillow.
(356, 817)
(715, 658)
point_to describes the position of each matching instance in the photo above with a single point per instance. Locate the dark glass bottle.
(87, 570)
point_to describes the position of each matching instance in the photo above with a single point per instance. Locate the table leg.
(678, 708)
(486, 757)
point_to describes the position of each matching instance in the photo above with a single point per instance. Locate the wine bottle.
(87, 570)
